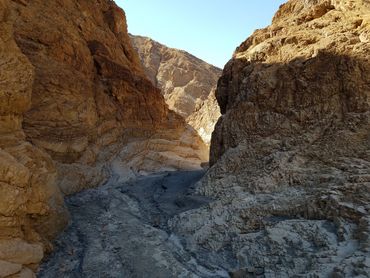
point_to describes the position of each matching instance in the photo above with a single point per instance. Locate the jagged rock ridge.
(75, 105)
(187, 83)
(291, 151)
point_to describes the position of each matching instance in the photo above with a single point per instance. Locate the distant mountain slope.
(187, 83)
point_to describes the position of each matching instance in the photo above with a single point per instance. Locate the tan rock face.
(7, 269)
(30, 253)
(205, 117)
(309, 66)
(186, 82)
(31, 205)
(72, 96)
(90, 96)
(291, 152)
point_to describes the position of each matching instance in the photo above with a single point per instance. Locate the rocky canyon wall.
(31, 206)
(291, 151)
(75, 109)
(90, 96)
(187, 83)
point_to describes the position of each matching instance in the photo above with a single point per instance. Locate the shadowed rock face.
(73, 100)
(290, 153)
(186, 82)
(90, 97)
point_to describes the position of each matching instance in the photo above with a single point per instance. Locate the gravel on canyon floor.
(120, 230)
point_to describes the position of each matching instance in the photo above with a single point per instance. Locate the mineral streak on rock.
(186, 82)
(291, 151)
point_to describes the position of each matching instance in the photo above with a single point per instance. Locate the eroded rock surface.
(73, 100)
(90, 97)
(186, 82)
(291, 152)
(31, 206)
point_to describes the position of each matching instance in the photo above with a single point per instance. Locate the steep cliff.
(75, 109)
(186, 82)
(31, 206)
(291, 151)
(91, 99)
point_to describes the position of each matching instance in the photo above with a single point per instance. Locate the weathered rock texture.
(186, 82)
(90, 96)
(31, 206)
(291, 152)
(73, 100)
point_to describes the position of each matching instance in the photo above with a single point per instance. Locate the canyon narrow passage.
(120, 230)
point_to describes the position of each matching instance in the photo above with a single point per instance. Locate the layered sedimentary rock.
(74, 104)
(186, 82)
(291, 151)
(90, 96)
(31, 206)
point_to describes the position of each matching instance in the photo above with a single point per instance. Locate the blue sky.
(208, 29)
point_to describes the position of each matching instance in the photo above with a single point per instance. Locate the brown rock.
(295, 101)
(7, 268)
(72, 95)
(31, 205)
(186, 82)
(290, 154)
(24, 273)
(90, 96)
(20, 252)
(299, 83)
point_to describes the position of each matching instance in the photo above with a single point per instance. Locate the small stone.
(25, 273)
(20, 252)
(7, 268)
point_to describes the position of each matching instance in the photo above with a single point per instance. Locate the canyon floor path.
(120, 230)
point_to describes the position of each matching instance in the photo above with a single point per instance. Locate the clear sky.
(208, 29)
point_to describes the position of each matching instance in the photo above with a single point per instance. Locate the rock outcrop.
(291, 151)
(90, 96)
(31, 205)
(186, 82)
(75, 108)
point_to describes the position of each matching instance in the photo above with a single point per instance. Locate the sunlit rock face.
(74, 105)
(291, 151)
(90, 96)
(31, 205)
(186, 82)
